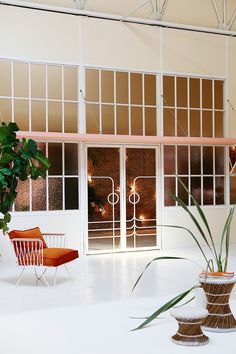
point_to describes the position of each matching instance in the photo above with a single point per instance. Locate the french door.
(122, 198)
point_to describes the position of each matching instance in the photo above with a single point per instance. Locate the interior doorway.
(122, 198)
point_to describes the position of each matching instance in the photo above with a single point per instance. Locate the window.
(200, 168)
(119, 102)
(193, 107)
(39, 97)
(60, 190)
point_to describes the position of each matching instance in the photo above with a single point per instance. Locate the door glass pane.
(122, 120)
(182, 160)
(70, 83)
(136, 88)
(21, 79)
(54, 82)
(140, 197)
(219, 190)
(195, 160)
(219, 160)
(169, 160)
(122, 89)
(182, 193)
(103, 199)
(169, 189)
(196, 189)
(208, 191)
(207, 160)
(38, 81)
(5, 78)
(232, 189)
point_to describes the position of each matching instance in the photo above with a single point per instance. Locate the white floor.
(95, 313)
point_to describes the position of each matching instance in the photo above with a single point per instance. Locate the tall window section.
(120, 102)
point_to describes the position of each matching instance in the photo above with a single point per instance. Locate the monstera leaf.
(19, 160)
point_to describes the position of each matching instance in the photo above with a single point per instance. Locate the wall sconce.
(142, 218)
(90, 179)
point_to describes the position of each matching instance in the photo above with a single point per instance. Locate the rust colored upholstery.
(30, 233)
(54, 257)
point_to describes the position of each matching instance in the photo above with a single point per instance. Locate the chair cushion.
(54, 257)
(30, 233)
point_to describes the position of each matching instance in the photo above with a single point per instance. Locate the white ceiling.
(191, 12)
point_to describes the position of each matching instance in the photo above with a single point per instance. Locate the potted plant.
(215, 280)
(19, 160)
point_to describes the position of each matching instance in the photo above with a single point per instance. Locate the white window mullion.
(63, 99)
(100, 102)
(115, 113)
(46, 81)
(143, 104)
(63, 176)
(129, 101)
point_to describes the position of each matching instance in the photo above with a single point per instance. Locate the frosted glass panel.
(23, 197)
(54, 117)
(136, 88)
(38, 116)
(92, 119)
(107, 119)
(70, 117)
(136, 121)
(55, 193)
(5, 78)
(122, 120)
(107, 83)
(92, 85)
(39, 194)
(21, 114)
(70, 83)
(150, 89)
(54, 82)
(38, 81)
(21, 79)
(5, 109)
(122, 87)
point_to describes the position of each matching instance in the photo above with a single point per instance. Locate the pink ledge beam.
(124, 139)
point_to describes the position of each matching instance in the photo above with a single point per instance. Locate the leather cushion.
(54, 257)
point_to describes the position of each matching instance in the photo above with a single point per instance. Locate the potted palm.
(19, 160)
(215, 280)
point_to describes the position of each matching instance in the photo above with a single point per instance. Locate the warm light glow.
(102, 211)
(142, 217)
(118, 189)
(90, 179)
(132, 188)
(233, 148)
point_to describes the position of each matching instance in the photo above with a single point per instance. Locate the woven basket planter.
(220, 317)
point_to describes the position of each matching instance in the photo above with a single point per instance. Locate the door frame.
(84, 197)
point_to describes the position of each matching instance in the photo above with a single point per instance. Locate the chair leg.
(20, 277)
(55, 277)
(41, 277)
(67, 270)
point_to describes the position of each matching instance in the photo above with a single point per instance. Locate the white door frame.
(84, 195)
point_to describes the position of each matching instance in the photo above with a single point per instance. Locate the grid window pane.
(207, 128)
(107, 119)
(71, 193)
(70, 117)
(208, 191)
(207, 160)
(207, 94)
(39, 194)
(194, 88)
(22, 202)
(195, 160)
(70, 83)
(136, 88)
(150, 121)
(92, 119)
(182, 194)
(54, 116)
(219, 124)
(92, 85)
(169, 122)
(169, 158)
(107, 78)
(38, 116)
(232, 189)
(5, 78)
(38, 81)
(122, 120)
(55, 194)
(219, 190)
(122, 87)
(71, 159)
(196, 189)
(21, 79)
(218, 93)
(169, 91)
(182, 158)
(182, 122)
(136, 121)
(219, 160)
(5, 109)
(150, 90)
(21, 114)
(169, 189)
(182, 92)
(195, 125)
(55, 157)
(54, 82)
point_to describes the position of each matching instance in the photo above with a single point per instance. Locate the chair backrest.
(34, 233)
(29, 252)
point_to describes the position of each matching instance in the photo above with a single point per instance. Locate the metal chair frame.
(29, 254)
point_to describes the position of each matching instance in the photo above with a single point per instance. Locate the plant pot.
(220, 317)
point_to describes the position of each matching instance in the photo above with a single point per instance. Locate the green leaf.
(13, 127)
(167, 306)
(6, 158)
(32, 146)
(6, 171)
(39, 156)
(7, 217)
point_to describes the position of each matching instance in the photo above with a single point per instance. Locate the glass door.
(122, 211)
